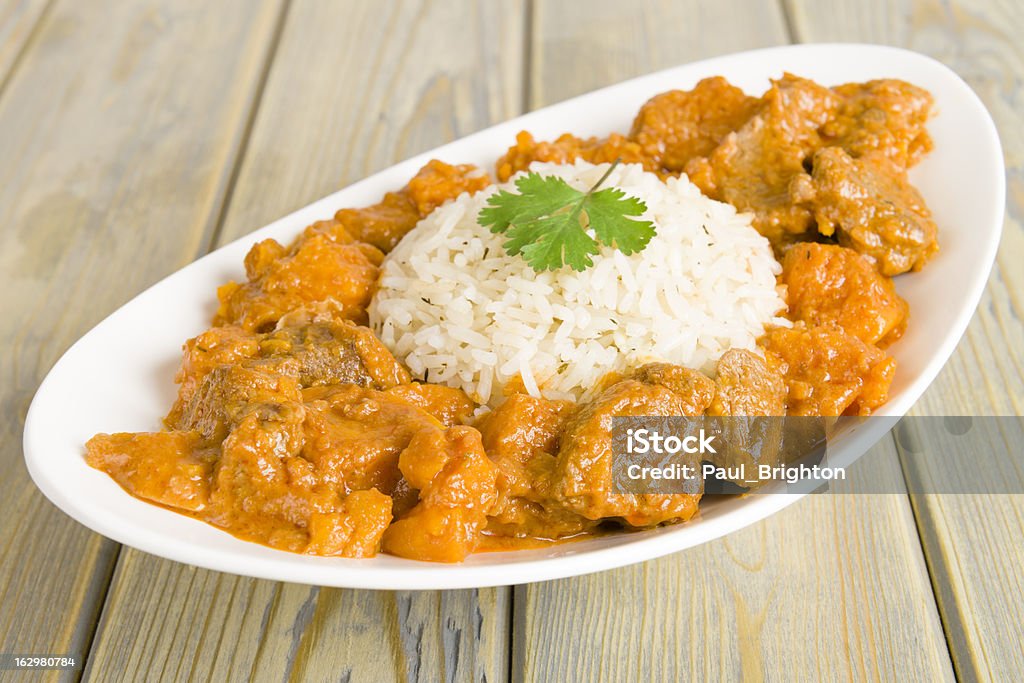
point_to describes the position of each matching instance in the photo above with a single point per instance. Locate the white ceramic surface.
(118, 377)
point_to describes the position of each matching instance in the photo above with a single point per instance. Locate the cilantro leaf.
(609, 214)
(547, 221)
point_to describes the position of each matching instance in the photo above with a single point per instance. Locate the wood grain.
(18, 22)
(834, 587)
(829, 589)
(972, 542)
(340, 102)
(113, 151)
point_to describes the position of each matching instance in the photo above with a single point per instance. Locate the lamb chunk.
(753, 167)
(584, 474)
(168, 468)
(202, 354)
(694, 388)
(568, 148)
(385, 223)
(318, 270)
(230, 392)
(521, 436)
(871, 207)
(830, 284)
(262, 487)
(354, 435)
(310, 347)
(354, 530)
(678, 125)
(318, 347)
(457, 489)
(748, 385)
(886, 116)
(829, 371)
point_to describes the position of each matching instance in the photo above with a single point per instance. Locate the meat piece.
(829, 284)
(692, 387)
(584, 474)
(830, 372)
(871, 207)
(169, 468)
(678, 125)
(568, 148)
(319, 269)
(315, 476)
(317, 347)
(355, 530)
(202, 354)
(749, 390)
(310, 347)
(748, 385)
(227, 394)
(263, 489)
(754, 167)
(354, 435)
(886, 116)
(385, 223)
(521, 436)
(456, 483)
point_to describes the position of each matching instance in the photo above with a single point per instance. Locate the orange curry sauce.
(296, 428)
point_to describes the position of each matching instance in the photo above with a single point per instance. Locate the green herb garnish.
(547, 221)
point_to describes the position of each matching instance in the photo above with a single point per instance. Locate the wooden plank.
(974, 544)
(18, 21)
(113, 153)
(829, 589)
(833, 587)
(579, 46)
(340, 103)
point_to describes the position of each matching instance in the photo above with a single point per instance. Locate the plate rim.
(431, 576)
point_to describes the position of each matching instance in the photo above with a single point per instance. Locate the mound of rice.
(460, 311)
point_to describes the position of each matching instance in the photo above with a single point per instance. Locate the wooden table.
(135, 136)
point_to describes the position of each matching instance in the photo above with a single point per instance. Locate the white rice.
(460, 311)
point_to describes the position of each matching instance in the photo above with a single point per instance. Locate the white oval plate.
(118, 377)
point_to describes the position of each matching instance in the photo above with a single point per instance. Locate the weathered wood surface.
(972, 543)
(195, 123)
(811, 591)
(339, 104)
(18, 22)
(114, 154)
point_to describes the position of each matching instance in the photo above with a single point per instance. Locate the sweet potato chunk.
(385, 223)
(355, 530)
(456, 483)
(829, 284)
(678, 125)
(449, 405)
(354, 435)
(568, 148)
(320, 269)
(829, 371)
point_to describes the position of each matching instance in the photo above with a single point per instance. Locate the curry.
(295, 427)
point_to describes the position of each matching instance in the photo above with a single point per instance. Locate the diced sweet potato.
(828, 284)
